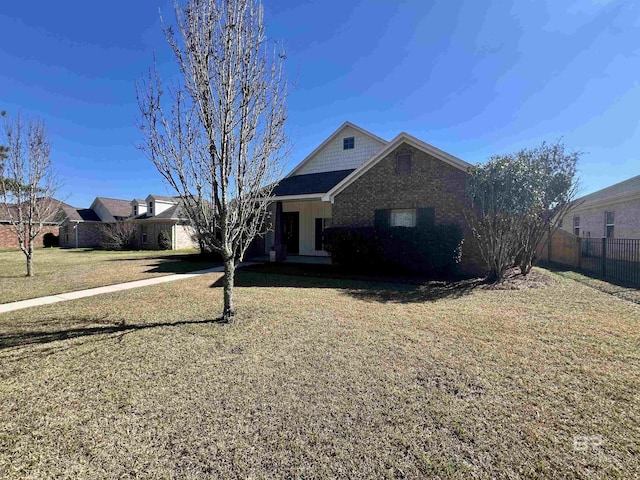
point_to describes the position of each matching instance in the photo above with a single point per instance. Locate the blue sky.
(472, 78)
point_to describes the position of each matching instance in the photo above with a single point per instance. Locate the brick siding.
(592, 219)
(89, 235)
(9, 241)
(431, 183)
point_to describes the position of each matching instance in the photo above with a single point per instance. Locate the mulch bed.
(514, 280)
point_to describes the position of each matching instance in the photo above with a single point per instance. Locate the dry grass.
(60, 271)
(619, 289)
(323, 378)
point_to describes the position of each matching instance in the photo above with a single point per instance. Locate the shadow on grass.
(367, 288)
(38, 338)
(174, 263)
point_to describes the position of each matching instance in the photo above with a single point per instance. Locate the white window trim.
(396, 217)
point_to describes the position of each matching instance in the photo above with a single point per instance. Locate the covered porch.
(296, 229)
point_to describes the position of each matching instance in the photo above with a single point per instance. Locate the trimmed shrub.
(50, 240)
(429, 250)
(164, 240)
(354, 248)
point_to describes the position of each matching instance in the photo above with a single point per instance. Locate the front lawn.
(322, 378)
(60, 271)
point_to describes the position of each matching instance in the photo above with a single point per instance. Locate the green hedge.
(431, 250)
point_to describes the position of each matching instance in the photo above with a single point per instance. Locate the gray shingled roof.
(626, 187)
(310, 183)
(116, 207)
(164, 198)
(5, 218)
(80, 214)
(172, 213)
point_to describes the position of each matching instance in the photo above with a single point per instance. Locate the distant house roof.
(52, 220)
(175, 212)
(172, 213)
(80, 214)
(116, 207)
(311, 183)
(164, 198)
(617, 192)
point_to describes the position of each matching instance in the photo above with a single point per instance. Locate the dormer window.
(150, 208)
(135, 210)
(403, 164)
(348, 143)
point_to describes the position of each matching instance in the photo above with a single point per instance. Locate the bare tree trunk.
(525, 266)
(229, 278)
(30, 259)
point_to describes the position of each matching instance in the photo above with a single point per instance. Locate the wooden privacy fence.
(610, 258)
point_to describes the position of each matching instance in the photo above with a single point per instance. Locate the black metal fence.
(611, 258)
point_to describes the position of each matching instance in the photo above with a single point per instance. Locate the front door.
(291, 224)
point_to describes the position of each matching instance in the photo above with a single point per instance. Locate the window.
(321, 225)
(348, 143)
(403, 218)
(576, 226)
(144, 235)
(150, 208)
(135, 210)
(403, 164)
(609, 220)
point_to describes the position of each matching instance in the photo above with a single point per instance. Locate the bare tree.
(120, 235)
(27, 182)
(220, 142)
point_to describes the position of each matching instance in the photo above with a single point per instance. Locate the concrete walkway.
(63, 297)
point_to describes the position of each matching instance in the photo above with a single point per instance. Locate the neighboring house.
(82, 227)
(355, 178)
(613, 212)
(160, 213)
(8, 238)
(79, 227)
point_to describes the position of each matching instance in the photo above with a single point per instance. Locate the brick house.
(613, 212)
(82, 227)
(355, 178)
(8, 238)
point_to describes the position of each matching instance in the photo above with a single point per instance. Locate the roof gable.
(390, 147)
(79, 214)
(110, 208)
(330, 155)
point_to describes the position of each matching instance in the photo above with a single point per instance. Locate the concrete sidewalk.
(63, 297)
